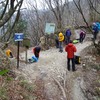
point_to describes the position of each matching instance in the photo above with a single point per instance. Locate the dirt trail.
(52, 64)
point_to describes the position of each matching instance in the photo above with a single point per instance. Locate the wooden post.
(26, 56)
(18, 54)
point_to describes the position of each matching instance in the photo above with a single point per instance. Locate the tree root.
(61, 87)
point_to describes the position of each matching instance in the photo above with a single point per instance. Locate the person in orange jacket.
(70, 49)
(61, 39)
(9, 53)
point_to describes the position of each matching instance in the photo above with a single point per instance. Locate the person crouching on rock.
(36, 51)
(9, 53)
(35, 57)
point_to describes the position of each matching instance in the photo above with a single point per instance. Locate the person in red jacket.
(36, 51)
(70, 49)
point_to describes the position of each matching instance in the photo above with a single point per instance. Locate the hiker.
(67, 36)
(70, 49)
(61, 39)
(36, 51)
(95, 31)
(57, 41)
(82, 36)
(35, 57)
(9, 53)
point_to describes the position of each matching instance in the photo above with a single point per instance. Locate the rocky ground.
(49, 79)
(54, 81)
(59, 84)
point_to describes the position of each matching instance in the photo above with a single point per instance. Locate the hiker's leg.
(95, 35)
(82, 39)
(73, 64)
(68, 64)
(60, 46)
(68, 39)
(57, 44)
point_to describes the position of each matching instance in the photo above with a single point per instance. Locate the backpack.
(75, 41)
(95, 28)
(98, 25)
(77, 59)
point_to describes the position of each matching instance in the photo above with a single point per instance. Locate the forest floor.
(49, 78)
(51, 69)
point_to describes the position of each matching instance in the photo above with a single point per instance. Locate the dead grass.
(11, 89)
(92, 73)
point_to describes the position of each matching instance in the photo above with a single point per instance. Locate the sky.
(26, 3)
(39, 5)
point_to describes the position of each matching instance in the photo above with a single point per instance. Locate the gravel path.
(53, 64)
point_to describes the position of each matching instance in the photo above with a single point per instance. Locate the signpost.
(18, 37)
(50, 28)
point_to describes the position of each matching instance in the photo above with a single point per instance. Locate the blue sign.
(18, 36)
(50, 28)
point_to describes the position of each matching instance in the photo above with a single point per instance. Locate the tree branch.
(93, 7)
(9, 14)
(10, 29)
(4, 10)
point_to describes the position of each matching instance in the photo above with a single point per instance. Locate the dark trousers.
(81, 39)
(36, 54)
(60, 46)
(95, 35)
(57, 43)
(67, 39)
(73, 64)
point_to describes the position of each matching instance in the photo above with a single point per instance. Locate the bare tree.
(57, 7)
(93, 7)
(7, 14)
(37, 20)
(78, 5)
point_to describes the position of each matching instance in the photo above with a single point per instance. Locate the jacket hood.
(60, 34)
(70, 44)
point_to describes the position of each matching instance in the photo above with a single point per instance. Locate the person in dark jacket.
(57, 41)
(70, 49)
(36, 51)
(67, 36)
(82, 36)
(95, 30)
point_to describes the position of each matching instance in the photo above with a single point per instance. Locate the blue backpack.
(98, 25)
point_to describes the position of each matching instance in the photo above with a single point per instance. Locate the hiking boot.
(74, 70)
